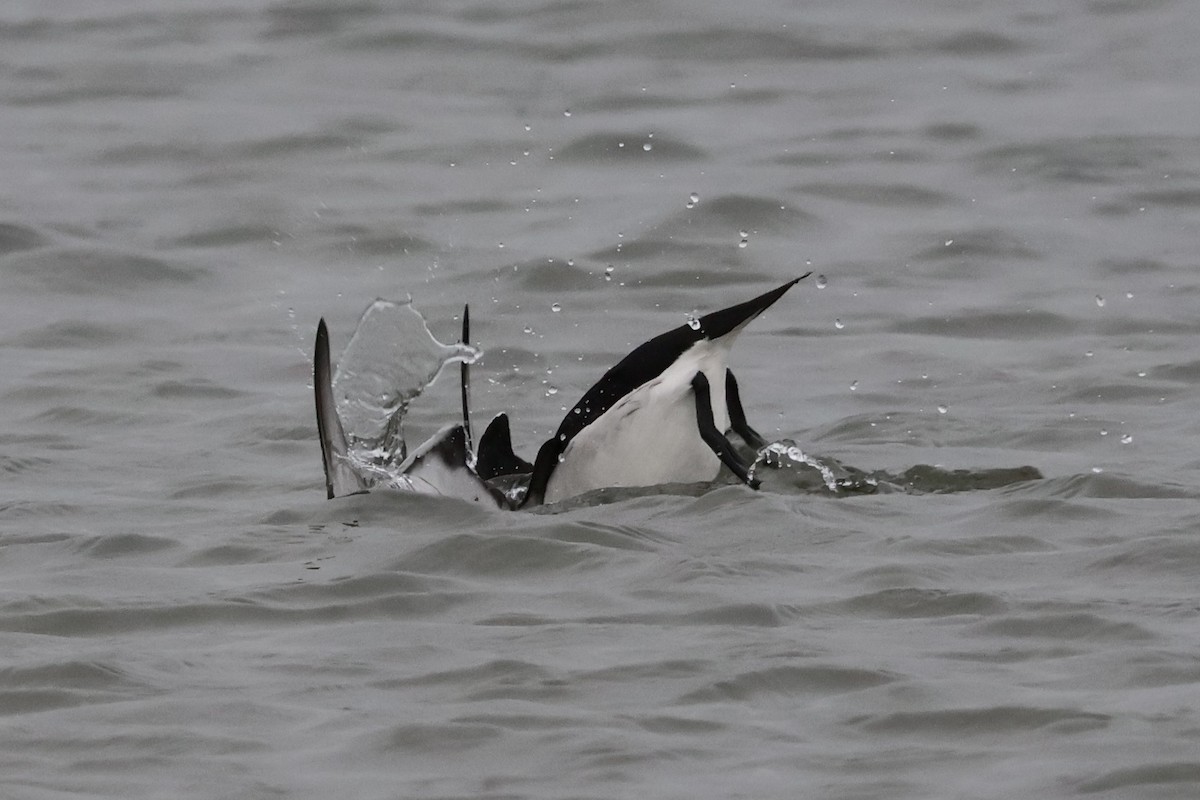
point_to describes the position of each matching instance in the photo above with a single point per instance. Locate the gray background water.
(1003, 197)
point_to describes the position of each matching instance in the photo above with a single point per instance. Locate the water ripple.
(985, 722)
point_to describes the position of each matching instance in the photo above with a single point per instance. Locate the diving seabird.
(658, 416)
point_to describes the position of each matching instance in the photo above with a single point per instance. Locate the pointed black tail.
(719, 323)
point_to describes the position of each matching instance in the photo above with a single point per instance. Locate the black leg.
(737, 415)
(543, 467)
(715, 438)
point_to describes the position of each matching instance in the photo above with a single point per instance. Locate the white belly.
(649, 436)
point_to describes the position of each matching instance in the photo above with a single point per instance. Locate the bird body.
(649, 436)
(654, 417)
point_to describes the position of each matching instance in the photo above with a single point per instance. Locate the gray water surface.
(1003, 199)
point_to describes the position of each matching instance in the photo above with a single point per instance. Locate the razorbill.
(658, 416)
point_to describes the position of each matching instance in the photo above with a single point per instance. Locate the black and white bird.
(658, 416)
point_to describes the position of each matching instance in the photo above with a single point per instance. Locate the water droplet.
(943, 409)
(1127, 439)
(837, 323)
(1141, 374)
(570, 262)
(1089, 354)
(551, 390)
(562, 437)
(555, 307)
(1103, 432)
(1100, 301)
(693, 323)
(562, 457)
(949, 242)
(822, 281)
(743, 243)
(1129, 295)
(647, 147)
(694, 198)
(854, 386)
(1097, 470)
(608, 271)
(567, 112)
(528, 329)
(501, 245)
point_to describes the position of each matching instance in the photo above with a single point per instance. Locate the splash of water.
(785, 453)
(390, 360)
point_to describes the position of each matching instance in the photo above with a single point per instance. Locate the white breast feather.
(650, 435)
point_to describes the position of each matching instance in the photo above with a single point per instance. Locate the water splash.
(785, 453)
(390, 360)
